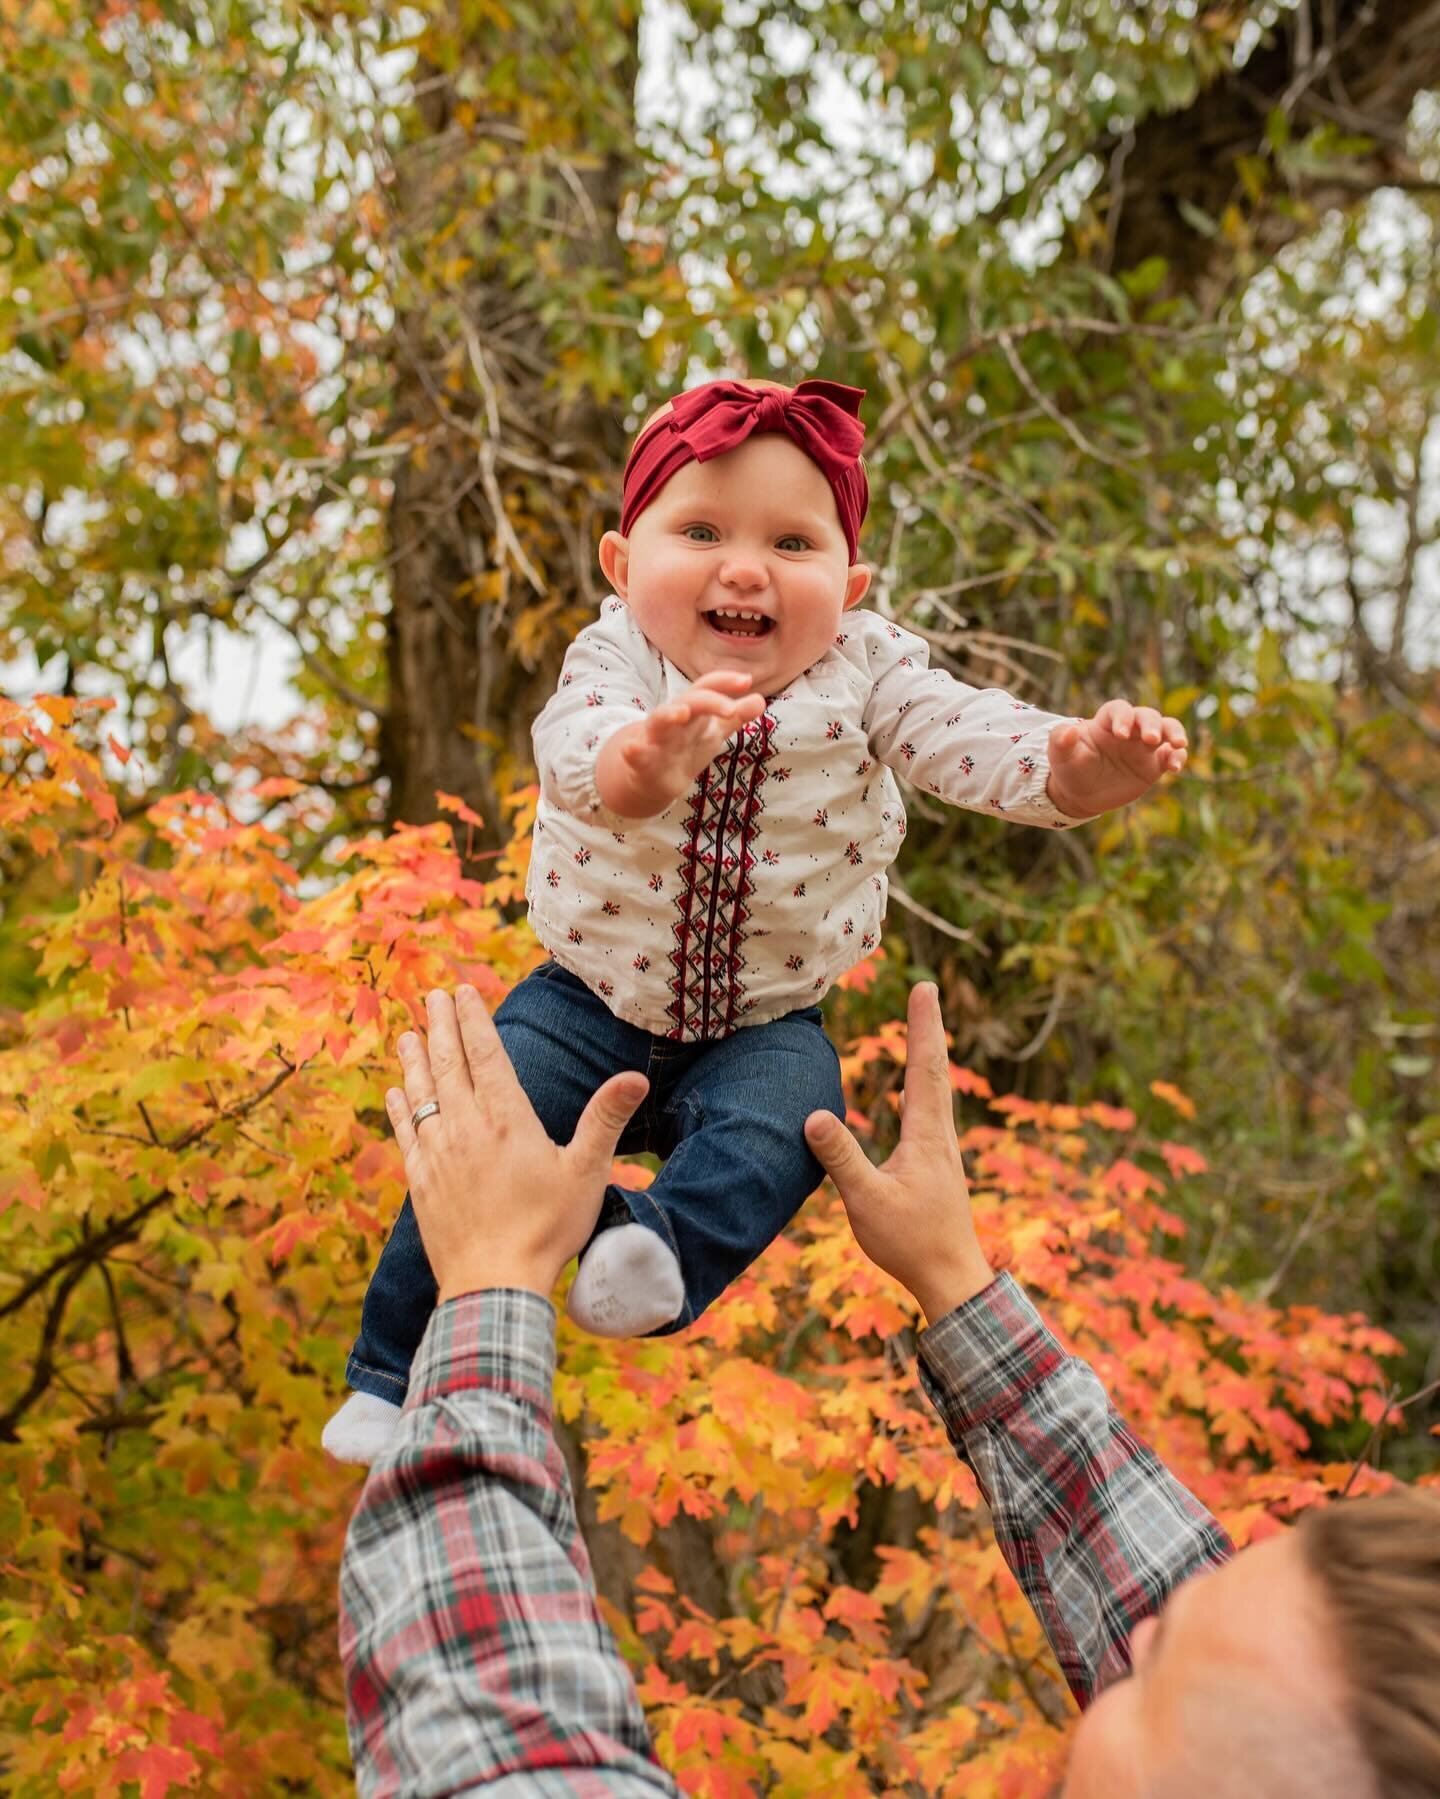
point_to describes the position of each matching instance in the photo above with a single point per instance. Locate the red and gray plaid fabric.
(1096, 1529)
(475, 1655)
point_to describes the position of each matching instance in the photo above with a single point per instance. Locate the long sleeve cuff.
(500, 1341)
(571, 783)
(978, 1362)
(1036, 797)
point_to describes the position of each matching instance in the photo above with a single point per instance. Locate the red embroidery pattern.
(716, 857)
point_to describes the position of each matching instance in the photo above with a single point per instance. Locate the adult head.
(1308, 1667)
(743, 557)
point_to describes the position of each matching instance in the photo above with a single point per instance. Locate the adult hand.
(912, 1214)
(1100, 763)
(644, 767)
(499, 1204)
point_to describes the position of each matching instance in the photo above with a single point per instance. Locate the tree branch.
(1373, 60)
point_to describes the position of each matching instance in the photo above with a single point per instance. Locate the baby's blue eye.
(793, 543)
(707, 533)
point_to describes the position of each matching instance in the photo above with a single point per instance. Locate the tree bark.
(1354, 65)
(495, 514)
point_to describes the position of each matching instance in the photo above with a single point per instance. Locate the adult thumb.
(838, 1153)
(602, 1122)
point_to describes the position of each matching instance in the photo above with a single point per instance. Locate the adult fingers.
(415, 1067)
(840, 1156)
(490, 1069)
(603, 1121)
(449, 1067)
(929, 1105)
(398, 1107)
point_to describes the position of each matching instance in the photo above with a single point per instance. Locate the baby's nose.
(748, 572)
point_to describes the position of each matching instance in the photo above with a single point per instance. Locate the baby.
(718, 810)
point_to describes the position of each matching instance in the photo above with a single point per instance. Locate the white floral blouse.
(748, 897)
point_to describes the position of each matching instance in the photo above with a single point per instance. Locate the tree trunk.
(1355, 66)
(507, 210)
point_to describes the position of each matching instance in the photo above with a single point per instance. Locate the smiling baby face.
(740, 562)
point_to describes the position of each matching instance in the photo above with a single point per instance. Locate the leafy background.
(321, 332)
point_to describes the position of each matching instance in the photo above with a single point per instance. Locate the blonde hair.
(1377, 1563)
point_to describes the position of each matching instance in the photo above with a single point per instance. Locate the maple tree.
(194, 1178)
(327, 322)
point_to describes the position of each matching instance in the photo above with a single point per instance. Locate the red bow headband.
(821, 417)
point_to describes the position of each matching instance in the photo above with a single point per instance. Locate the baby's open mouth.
(735, 621)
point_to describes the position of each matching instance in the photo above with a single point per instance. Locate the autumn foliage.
(194, 1179)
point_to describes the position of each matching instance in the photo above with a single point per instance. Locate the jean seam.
(400, 1381)
(667, 1236)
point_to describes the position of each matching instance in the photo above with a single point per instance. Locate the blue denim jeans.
(727, 1115)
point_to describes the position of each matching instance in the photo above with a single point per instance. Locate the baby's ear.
(615, 561)
(857, 585)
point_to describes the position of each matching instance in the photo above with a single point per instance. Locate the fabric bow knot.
(819, 417)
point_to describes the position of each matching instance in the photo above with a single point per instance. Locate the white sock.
(628, 1283)
(361, 1429)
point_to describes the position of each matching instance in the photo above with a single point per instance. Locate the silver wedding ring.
(421, 1113)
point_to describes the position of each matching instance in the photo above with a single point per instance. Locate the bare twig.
(1392, 1404)
(1053, 412)
(933, 919)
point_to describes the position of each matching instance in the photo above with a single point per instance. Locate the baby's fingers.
(1117, 717)
(725, 710)
(723, 680)
(706, 704)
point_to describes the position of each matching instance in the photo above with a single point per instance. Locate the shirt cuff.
(578, 795)
(501, 1340)
(978, 1362)
(1036, 794)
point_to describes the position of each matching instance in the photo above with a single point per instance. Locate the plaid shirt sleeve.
(1096, 1529)
(473, 1650)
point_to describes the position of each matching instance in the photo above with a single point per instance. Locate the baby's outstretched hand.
(1097, 764)
(649, 764)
